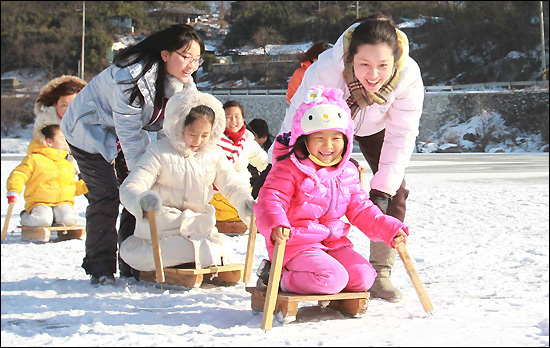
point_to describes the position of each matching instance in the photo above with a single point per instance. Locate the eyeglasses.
(190, 60)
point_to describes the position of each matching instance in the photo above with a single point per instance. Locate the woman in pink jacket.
(383, 87)
(310, 187)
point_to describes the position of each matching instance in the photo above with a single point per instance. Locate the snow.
(276, 49)
(479, 241)
(487, 127)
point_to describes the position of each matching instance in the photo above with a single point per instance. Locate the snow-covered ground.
(479, 241)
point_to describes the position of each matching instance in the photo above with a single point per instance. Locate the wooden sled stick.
(156, 246)
(273, 284)
(252, 232)
(7, 221)
(411, 271)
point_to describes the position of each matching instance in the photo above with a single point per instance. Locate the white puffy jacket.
(183, 179)
(400, 117)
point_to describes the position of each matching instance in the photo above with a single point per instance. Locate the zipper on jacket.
(77, 119)
(331, 194)
(330, 234)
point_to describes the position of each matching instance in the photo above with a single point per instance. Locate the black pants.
(102, 240)
(371, 146)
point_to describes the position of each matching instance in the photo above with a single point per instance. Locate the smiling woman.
(107, 128)
(383, 88)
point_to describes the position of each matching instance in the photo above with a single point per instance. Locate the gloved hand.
(12, 196)
(381, 199)
(248, 211)
(150, 200)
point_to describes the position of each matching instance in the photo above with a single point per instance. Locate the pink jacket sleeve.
(367, 217)
(274, 199)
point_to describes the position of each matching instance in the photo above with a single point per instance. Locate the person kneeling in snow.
(311, 186)
(49, 179)
(174, 177)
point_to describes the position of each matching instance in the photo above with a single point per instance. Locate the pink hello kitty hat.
(323, 109)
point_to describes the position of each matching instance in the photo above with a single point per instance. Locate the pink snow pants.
(316, 271)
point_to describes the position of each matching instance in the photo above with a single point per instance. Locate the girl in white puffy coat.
(175, 177)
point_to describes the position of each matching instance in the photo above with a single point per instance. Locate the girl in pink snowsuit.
(310, 187)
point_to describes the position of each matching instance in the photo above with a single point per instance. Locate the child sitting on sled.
(174, 177)
(241, 149)
(310, 187)
(49, 180)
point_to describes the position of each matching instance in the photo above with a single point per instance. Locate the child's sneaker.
(103, 278)
(263, 273)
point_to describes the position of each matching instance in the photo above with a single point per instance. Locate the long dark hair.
(374, 29)
(73, 85)
(314, 51)
(148, 52)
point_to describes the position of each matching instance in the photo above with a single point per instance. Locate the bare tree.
(263, 38)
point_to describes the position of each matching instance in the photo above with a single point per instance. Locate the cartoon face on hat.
(323, 109)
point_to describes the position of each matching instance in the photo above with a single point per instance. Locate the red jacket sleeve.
(295, 82)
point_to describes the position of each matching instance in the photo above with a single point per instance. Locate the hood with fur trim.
(177, 110)
(46, 115)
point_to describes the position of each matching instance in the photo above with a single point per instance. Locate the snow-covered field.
(479, 241)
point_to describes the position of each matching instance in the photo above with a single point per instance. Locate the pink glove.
(12, 196)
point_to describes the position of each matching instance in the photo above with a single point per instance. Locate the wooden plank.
(208, 270)
(71, 234)
(231, 227)
(229, 276)
(41, 234)
(287, 308)
(156, 246)
(273, 284)
(7, 220)
(54, 228)
(253, 231)
(353, 306)
(292, 297)
(188, 280)
(415, 279)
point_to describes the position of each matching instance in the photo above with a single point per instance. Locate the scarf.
(232, 143)
(360, 98)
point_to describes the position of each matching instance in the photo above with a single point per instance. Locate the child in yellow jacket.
(50, 183)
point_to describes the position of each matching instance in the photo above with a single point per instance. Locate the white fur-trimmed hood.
(178, 108)
(50, 86)
(46, 115)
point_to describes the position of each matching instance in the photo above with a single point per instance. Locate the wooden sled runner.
(270, 301)
(351, 303)
(43, 234)
(232, 273)
(231, 228)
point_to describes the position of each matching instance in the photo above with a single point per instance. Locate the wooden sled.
(231, 228)
(232, 273)
(43, 233)
(270, 301)
(351, 303)
(193, 278)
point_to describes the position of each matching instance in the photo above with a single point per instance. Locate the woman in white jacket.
(175, 177)
(384, 90)
(108, 126)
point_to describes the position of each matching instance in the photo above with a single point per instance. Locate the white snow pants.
(43, 215)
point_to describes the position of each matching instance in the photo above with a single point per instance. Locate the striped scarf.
(360, 98)
(232, 143)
